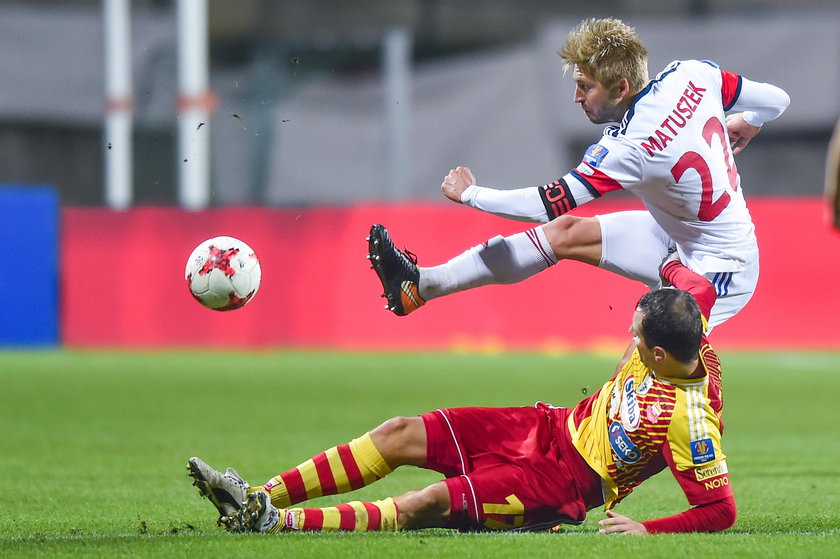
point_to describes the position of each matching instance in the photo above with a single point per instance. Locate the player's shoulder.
(672, 80)
(688, 65)
(616, 147)
(681, 80)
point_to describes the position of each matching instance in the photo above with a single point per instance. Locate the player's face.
(599, 105)
(645, 353)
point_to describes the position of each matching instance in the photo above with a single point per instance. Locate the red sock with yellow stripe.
(339, 469)
(356, 516)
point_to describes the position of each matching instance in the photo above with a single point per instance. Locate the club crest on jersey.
(595, 154)
(653, 413)
(622, 446)
(702, 451)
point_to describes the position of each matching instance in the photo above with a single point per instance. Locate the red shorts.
(510, 468)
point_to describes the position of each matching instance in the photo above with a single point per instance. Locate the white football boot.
(227, 491)
(256, 515)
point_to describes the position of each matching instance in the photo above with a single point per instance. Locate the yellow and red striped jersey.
(638, 423)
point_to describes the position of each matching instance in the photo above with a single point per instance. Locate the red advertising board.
(122, 283)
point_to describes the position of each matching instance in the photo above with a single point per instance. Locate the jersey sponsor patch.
(615, 400)
(702, 451)
(707, 472)
(630, 416)
(644, 386)
(595, 154)
(622, 446)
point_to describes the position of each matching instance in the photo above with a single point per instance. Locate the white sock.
(498, 261)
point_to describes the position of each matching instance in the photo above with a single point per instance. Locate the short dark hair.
(672, 321)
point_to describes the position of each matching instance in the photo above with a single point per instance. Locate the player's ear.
(659, 354)
(622, 90)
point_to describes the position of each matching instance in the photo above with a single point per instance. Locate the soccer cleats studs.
(256, 515)
(397, 270)
(227, 491)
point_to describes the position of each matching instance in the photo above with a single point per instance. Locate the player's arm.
(609, 165)
(705, 484)
(757, 104)
(709, 517)
(675, 273)
(538, 204)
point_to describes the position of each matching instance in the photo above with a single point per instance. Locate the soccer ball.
(223, 274)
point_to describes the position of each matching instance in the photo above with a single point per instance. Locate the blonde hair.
(608, 49)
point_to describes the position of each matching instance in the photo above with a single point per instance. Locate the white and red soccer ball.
(223, 273)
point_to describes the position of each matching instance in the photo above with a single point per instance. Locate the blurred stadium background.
(324, 117)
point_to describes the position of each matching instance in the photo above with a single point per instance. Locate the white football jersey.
(672, 151)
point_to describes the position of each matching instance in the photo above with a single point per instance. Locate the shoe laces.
(231, 474)
(410, 255)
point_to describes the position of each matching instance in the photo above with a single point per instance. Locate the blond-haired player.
(672, 146)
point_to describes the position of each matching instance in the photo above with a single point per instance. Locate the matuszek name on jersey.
(676, 120)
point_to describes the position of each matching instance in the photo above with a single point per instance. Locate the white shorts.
(633, 245)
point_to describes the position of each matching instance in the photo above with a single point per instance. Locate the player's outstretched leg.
(259, 515)
(227, 491)
(424, 508)
(338, 469)
(500, 260)
(397, 271)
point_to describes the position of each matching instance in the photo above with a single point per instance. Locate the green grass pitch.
(93, 449)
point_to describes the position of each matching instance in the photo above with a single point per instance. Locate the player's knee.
(397, 427)
(401, 440)
(423, 508)
(561, 232)
(574, 237)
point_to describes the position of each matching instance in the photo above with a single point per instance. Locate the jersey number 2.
(692, 160)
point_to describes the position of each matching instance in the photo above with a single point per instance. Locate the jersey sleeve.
(521, 204)
(760, 102)
(539, 204)
(681, 277)
(711, 517)
(698, 464)
(730, 89)
(607, 166)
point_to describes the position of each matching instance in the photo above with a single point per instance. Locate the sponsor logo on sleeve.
(702, 451)
(707, 472)
(595, 154)
(622, 446)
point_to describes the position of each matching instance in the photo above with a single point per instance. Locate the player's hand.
(456, 182)
(618, 524)
(740, 133)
